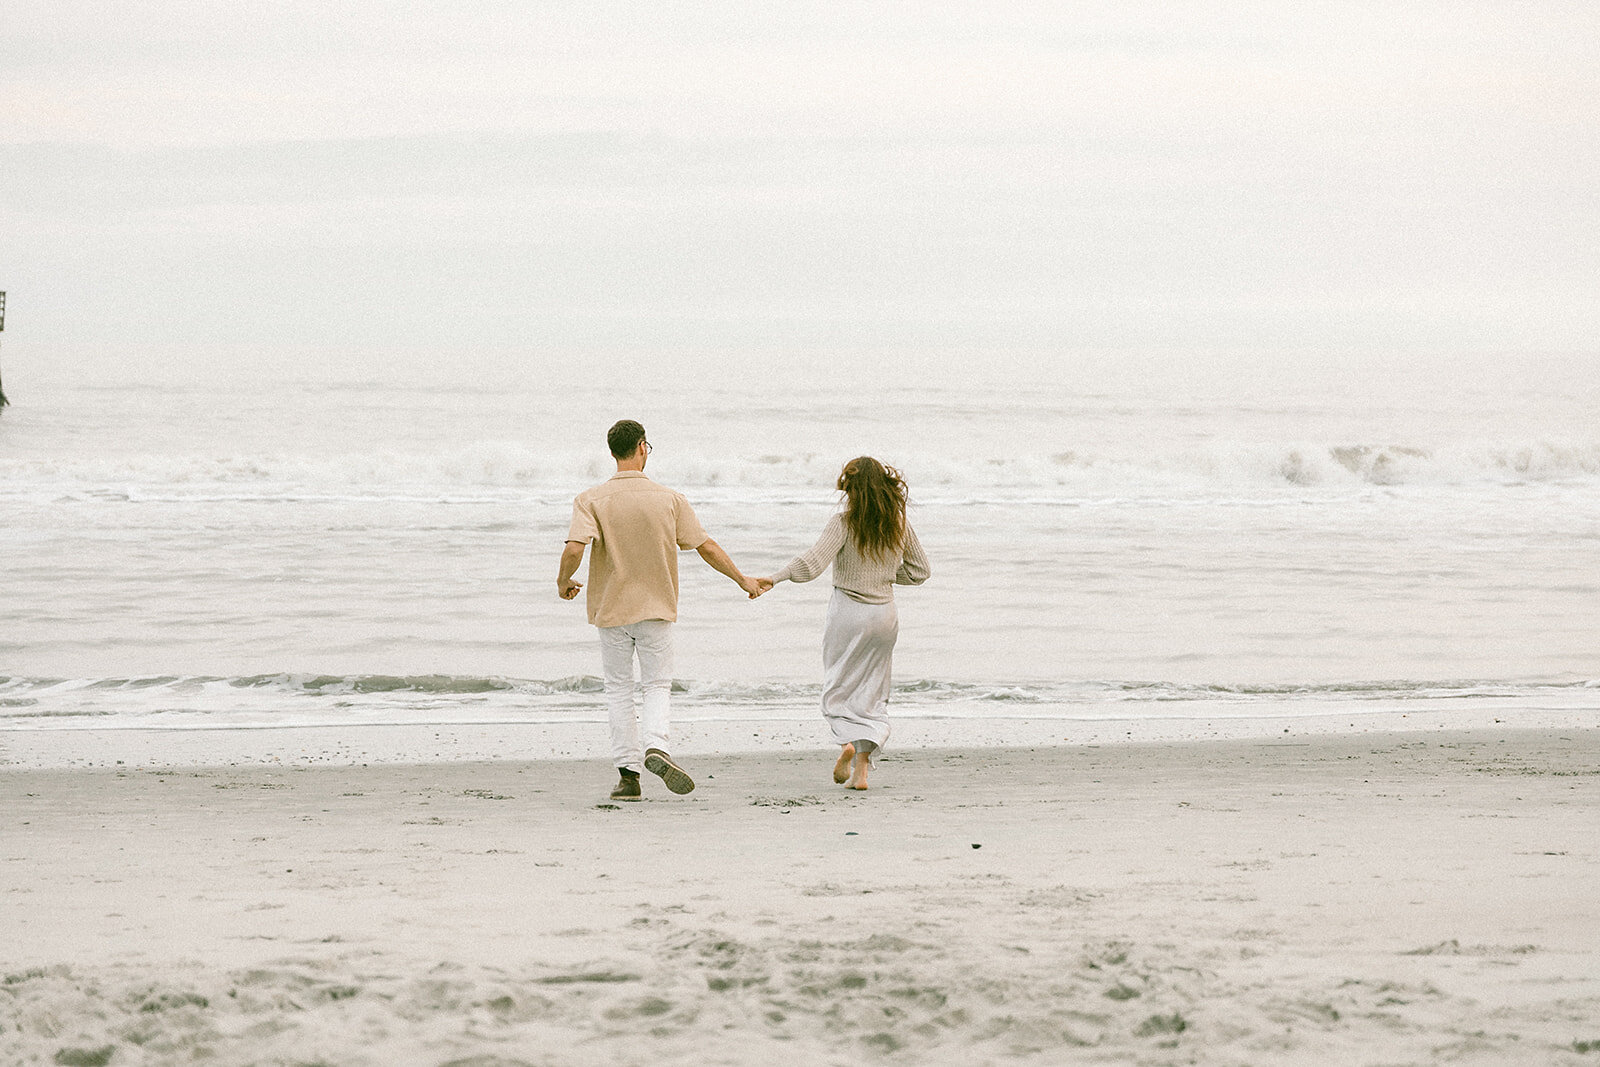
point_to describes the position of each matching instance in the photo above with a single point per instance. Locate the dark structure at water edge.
(3, 400)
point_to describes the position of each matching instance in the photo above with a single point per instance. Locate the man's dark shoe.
(627, 787)
(677, 779)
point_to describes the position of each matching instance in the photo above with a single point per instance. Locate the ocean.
(1108, 540)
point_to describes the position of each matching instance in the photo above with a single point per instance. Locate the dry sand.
(1404, 898)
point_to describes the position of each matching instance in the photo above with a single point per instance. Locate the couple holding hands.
(638, 527)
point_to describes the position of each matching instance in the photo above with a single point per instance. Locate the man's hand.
(720, 561)
(571, 556)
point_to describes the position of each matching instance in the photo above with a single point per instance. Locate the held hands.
(567, 588)
(755, 586)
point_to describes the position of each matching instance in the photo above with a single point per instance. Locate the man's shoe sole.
(676, 777)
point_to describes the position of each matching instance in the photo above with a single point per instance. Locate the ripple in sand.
(702, 994)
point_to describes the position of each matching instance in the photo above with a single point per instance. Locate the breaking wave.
(493, 468)
(320, 699)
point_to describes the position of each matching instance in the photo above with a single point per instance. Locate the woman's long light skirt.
(857, 647)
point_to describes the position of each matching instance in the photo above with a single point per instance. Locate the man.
(637, 528)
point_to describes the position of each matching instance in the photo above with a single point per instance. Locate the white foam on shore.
(704, 739)
(276, 701)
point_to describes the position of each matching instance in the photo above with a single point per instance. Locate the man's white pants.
(651, 642)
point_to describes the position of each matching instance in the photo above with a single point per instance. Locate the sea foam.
(803, 475)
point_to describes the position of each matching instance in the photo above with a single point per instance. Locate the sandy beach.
(1237, 367)
(1395, 898)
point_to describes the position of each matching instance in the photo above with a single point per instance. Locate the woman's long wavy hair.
(875, 506)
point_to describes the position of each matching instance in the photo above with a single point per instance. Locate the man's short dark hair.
(624, 438)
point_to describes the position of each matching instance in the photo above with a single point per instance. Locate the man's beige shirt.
(636, 528)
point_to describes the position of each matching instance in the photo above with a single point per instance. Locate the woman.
(871, 548)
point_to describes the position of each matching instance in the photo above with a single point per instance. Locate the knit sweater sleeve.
(914, 567)
(814, 562)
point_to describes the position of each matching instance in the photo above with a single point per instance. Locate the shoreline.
(1407, 898)
(445, 741)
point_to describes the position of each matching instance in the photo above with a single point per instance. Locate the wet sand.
(1377, 898)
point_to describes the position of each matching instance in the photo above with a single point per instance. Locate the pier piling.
(3, 400)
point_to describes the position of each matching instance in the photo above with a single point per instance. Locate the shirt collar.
(630, 474)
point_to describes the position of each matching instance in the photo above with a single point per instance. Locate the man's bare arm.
(720, 561)
(571, 556)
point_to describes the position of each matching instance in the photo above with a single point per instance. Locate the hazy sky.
(293, 183)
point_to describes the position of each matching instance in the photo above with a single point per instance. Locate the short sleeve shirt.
(637, 528)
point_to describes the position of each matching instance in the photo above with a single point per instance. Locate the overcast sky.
(293, 183)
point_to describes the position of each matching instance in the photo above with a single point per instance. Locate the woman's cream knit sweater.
(860, 577)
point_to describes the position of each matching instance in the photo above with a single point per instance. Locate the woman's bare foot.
(841, 769)
(858, 771)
